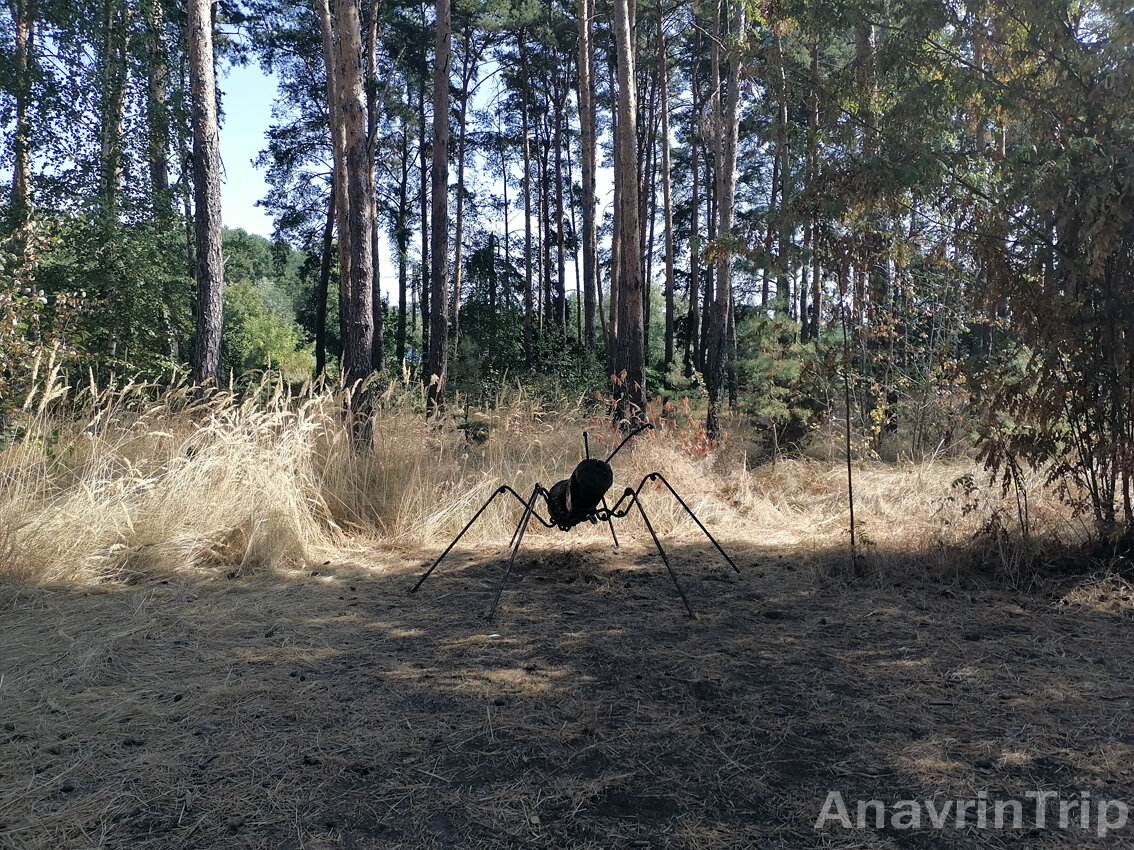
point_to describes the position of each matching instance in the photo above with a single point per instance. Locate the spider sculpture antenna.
(578, 499)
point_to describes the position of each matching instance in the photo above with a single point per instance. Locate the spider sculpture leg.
(529, 511)
(633, 497)
(688, 510)
(499, 492)
(609, 521)
(665, 559)
(659, 476)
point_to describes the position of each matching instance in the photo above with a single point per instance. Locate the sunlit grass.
(139, 481)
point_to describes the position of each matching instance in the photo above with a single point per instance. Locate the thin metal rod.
(700, 524)
(512, 539)
(626, 439)
(504, 488)
(665, 558)
(609, 521)
(528, 511)
(630, 495)
(535, 513)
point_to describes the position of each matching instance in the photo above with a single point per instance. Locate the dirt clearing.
(328, 709)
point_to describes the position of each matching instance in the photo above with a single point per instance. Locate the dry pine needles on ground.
(178, 672)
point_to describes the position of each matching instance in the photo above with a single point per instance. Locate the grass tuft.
(133, 483)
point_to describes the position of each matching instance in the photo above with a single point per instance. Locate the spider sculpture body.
(581, 498)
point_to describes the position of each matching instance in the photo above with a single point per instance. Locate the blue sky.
(247, 105)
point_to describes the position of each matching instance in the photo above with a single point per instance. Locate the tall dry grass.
(140, 481)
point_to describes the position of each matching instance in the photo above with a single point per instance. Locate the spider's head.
(574, 500)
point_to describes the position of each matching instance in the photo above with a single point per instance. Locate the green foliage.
(136, 293)
(779, 374)
(1059, 249)
(257, 337)
(24, 333)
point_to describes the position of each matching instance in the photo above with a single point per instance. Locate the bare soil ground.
(328, 709)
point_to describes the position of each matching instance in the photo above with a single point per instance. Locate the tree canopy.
(925, 200)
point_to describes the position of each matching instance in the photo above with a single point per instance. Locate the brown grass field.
(206, 642)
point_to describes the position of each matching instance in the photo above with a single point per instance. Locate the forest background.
(894, 230)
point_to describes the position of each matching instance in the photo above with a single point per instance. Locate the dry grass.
(207, 643)
(134, 483)
(329, 710)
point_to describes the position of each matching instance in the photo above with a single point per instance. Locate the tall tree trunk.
(651, 209)
(708, 270)
(867, 72)
(493, 283)
(352, 114)
(629, 359)
(439, 314)
(725, 190)
(112, 102)
(401, 239)
(730, 353)
(587, 135)
(529, 299)
(544, 220)
(560, 218)
(667, 193)
(206, 194)
(615, 242)
(157, 114)
(322, 288)
(809, 321)
(378, 309)
(507, 217)
(693, 318)
(783, 160)
(23, 20)
(338, 168)
(468, 66)
(711, 153)
(576, 263)
(423, 200)
(112, 106)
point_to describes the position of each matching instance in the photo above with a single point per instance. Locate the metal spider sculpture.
(581, 498)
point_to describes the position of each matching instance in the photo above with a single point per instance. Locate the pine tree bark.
(810, 321)
(338, 168)
(459, 223)
(529, 298)
(157, 114)
(352, 115)
(423, 200)
(378, 310)
(560, 219)
(322, 288)
(727, 126)
(401, 240)
(667, 193)
(629, 355)
(867, 72)
(439, 314)
(23, 20)
(209, 272)
(112, 106)
(693, 318)
(587, 122)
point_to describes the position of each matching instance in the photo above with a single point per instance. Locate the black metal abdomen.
(574, 500)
